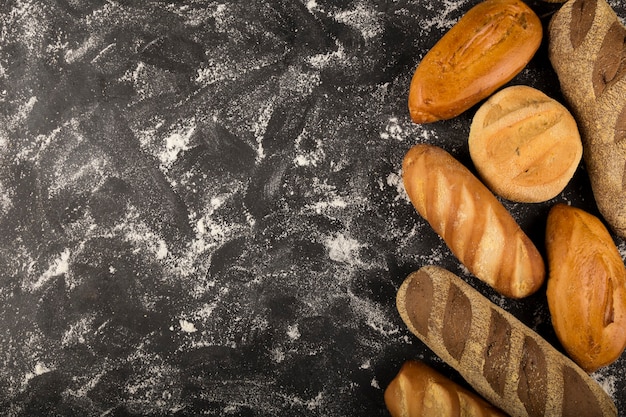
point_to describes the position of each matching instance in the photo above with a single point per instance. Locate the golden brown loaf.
(477, 228)
(506, 362)
(418, 390)
(587, 53)
(488, 46)
(524, 144)
(586, 287)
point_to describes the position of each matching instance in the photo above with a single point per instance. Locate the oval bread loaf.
(477, 228)
(506, 362)
(418, 390)
(587, 51)
(484, 50)
(586, 287)
(524, 144)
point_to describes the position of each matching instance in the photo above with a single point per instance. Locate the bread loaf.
(586, 287)
(477, 228)
(506, 362)
(487, 47)
(418, 390)
(524, 144)
(586, 49)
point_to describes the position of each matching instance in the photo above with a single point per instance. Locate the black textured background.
(201, 210)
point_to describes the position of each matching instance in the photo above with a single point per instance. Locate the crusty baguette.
(524, 144)
(506, 362)
(477, 228)
(586, 49)
(418, 390)
(586, 287)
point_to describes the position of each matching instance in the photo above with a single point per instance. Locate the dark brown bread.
(506, 362)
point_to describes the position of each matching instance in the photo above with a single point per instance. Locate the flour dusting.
(202, 204)
(342, 248)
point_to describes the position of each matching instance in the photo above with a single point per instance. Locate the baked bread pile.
(525, 147)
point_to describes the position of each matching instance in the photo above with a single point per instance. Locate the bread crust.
(487, 47)
(586, 287)
(477, 228)
(506, 362)
(524, 144)
(586, 50)
(418, 390)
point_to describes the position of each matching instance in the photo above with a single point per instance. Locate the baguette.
(477, 228)
(586, 287)
(418, 390)
(586, 49)
(506, 362)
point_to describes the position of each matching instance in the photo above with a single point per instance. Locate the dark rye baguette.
(506, 362)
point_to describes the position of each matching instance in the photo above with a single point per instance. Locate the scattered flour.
(39, 369)
(343, 249)
(606, 381)
(373, 315)
(324, 206)
(187, 326)
(364, 18)
(329, 59)
(293, 332)
(175, 143)
(310, 404)
(445, 18)
(308, 158)
(394, 180)
(58, 267)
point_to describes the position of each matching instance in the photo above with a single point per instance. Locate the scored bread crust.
(418, 390)
(484, 50)
(586, 288)
(505, 361)
(524, 144)
(586, 50)
(477, 228)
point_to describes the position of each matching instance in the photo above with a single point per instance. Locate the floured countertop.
(201, 205)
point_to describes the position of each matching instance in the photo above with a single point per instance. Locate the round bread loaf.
(524, 144)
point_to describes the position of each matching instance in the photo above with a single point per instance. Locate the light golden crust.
(524, 144)
(506, 362)
(586, 287)
(418, 390)
(491, 43)
(477, 228)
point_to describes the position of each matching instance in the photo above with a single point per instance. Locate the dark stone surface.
(201, 210)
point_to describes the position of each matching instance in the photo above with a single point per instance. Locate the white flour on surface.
(282, 260)
(343, 249)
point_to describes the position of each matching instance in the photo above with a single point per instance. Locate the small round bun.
(524, 145)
